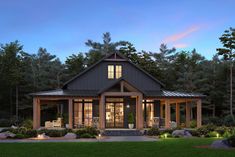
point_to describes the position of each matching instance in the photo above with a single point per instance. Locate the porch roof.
(95, 93)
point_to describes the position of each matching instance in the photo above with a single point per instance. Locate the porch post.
(139, 112)
(167, 114)
(188, 110)
(199, 113)
(177, 113)
(36, 113)
(102, 112)
(70, 113)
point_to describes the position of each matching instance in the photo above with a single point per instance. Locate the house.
(108, 91)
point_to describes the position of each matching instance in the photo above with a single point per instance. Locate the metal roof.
(94, 93)
(60, 92)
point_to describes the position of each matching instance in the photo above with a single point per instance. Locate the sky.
(63, 26)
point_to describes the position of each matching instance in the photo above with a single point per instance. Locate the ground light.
(40, 136)
(217, 135)
(165, 135)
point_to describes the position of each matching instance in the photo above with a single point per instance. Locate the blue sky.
(62, 26)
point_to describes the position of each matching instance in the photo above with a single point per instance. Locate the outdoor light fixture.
(40, 136)
(128, 106)
(217, 135)
(165, 135)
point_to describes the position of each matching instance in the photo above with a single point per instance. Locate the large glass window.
(118, 71)
(82, 113)
(148, 106)
(110, 71)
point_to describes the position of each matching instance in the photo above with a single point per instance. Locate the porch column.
(167, 114)
(102, 112)
(188, 110)
(70, 113)
(36, 113)
(139, 113)
(177, 113)
(199, 113)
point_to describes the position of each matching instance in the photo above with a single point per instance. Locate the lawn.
(164, 148)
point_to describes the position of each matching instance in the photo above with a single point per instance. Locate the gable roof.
(106, 58)
(116, 82)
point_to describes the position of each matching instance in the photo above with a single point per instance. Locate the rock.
(220, 144)
(14, 127)
(70, 136)
(181, 133)
(6, 134)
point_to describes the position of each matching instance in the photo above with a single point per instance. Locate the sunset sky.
(62, 27)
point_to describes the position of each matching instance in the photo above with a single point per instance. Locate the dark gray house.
(112, 89)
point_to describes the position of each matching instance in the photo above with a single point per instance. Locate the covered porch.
(105, 112)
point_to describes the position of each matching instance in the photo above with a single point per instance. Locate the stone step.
(122, 133)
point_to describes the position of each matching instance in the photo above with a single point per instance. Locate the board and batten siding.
(96, 78)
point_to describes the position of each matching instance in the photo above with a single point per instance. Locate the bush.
(153, 132)
(222, 129)
(31, 133)
(227, 134)
(88, 130)
(193, 124)
(204, 130)
(231, 141)
(212, 134)
(228, 121)
(5, 123)
(194, 133)
(166, 131)
(19, 136)
(28, 123)
(53, 133)
(87, 135)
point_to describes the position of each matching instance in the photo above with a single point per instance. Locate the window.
(110, 71)
(118, 71)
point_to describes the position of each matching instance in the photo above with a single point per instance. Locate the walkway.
(102, 139)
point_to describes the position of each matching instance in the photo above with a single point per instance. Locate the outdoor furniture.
(48, 124)
(57, 123)
(156, 122)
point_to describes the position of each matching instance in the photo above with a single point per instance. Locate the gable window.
(110, 71)
(118, 71)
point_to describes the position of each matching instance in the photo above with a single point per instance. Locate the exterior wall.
(96, 78)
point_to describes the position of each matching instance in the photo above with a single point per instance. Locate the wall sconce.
(127, 106)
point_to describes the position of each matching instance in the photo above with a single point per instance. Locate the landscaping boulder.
(181, 133)
(6, 134)
(220, 144)
(70, 136)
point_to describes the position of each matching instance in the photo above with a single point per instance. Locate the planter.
(131, 126)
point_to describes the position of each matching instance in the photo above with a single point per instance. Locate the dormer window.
(114, 70)
(118, 71)
(110, 71)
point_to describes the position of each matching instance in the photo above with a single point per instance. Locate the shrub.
(87, 135)
(193, 124)
(90, 130)
(19, 136)
(28, 123)
(227, 134)
(204, 130)
(53, 133)
(166, 131)
(231, 141)
(131, 118)
(31, 133)
(212, 134)
(153, 132)
(194, 133)
(222, 129)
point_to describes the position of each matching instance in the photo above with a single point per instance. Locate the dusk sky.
(62, 27)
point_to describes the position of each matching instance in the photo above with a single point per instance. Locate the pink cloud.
(181, 45)
(176, 37)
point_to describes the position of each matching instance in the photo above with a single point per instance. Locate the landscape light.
(217, 135)
(165, 135)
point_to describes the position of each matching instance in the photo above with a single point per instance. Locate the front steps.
(122, 132)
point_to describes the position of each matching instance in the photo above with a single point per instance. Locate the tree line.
(22, 73)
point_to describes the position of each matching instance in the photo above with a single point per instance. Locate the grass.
(164, 148)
